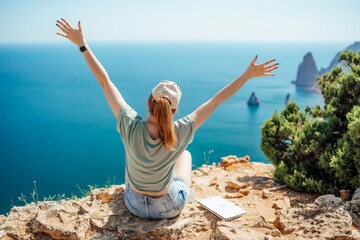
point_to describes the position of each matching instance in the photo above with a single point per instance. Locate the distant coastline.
(308, 72)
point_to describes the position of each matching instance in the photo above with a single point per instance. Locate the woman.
(158, 166)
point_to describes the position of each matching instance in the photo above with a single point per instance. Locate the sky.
(184, 20)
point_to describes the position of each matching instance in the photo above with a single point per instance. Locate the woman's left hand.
(263, 69)
(74, 35)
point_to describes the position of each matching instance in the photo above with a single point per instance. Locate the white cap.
(170, 90)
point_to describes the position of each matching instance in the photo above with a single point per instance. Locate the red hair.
(163, 114)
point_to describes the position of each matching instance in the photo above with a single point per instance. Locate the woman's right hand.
(76, 36)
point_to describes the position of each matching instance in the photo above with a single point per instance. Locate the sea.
(58, 135)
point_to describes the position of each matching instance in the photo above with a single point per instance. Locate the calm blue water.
(57, 129)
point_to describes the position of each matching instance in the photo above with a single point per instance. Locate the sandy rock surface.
(274, 212)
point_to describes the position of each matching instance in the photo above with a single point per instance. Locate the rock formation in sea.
(253, 100)
(287, 98)
(308, 73)
(273, 211)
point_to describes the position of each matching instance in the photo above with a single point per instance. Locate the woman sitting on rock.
(158, 166)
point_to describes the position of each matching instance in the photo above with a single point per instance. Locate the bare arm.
(202, 113)
(112, 94)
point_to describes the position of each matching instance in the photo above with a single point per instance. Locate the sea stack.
(307, 73)
(253, 101)
(287, 98)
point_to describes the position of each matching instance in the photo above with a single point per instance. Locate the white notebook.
(222, 207)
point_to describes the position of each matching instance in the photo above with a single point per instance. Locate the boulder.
(329, 201)
(355, 201)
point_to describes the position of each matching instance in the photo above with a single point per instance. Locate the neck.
(152, 127)
(151, 119)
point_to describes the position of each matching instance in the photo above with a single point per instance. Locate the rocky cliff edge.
(274, 212)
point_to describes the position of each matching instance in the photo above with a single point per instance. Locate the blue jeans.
(167, 206)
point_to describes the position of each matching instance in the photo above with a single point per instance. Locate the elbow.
(213, 104)
(104, 84)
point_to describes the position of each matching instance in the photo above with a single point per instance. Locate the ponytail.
(162, 112)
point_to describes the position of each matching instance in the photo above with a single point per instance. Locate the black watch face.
(82, 48)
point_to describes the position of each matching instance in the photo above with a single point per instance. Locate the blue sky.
(184, 20)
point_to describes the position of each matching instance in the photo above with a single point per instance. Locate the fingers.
(63, 35)
(79, 26)
(271, 69)
(254, 60)
(271, 66)
(267, 62)
(62, 27)
(269, 74)
(66, 23)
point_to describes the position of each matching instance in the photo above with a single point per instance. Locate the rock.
(307, 72)
(287, 98)
(265, 194)
(356, 233)
(2, 219)
(234, 195)
(230, 160)
(243, 185)
(205, 169)
(344, 195)
(313, 222)
(280, 204)
(329, 201)
(253, 100)
(356, 195)
(232, 186)
(273, 189)
(103, 215)
(229, 231)
(355, 202)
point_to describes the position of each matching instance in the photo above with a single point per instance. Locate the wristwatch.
(82, 48)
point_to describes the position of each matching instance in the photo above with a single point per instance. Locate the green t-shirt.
(150, 166)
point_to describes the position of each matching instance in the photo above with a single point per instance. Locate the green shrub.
(318, 150)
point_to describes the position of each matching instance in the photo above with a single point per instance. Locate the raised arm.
(76, 36)
(202, 113)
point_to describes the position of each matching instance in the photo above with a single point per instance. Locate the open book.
(222, 207)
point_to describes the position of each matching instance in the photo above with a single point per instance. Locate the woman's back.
(149, 164)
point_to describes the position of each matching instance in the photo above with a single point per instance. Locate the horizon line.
(183, 41)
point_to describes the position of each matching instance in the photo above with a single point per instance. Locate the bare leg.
(183, 167)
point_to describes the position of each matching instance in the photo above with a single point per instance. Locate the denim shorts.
(167, 206)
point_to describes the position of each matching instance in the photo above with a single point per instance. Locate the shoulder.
(185, 129)
(187, 120)
(127, 120)
(128, 112)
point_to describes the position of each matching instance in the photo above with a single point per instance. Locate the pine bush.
(318, 149)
